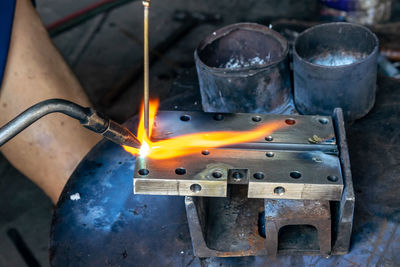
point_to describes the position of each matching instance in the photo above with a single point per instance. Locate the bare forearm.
(48, 151)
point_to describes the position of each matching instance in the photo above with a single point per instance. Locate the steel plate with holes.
(298, 161)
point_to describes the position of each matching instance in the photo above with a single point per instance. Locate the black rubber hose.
(39, 110)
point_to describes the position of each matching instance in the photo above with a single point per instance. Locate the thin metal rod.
(146, 4)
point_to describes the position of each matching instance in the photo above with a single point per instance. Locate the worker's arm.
(49, 150)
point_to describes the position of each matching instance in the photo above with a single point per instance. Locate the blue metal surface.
(109, 226)
(345, 5)
(6, 20)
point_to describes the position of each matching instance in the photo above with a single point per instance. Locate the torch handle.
(89, 118)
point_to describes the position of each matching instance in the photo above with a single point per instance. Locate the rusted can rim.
(242, 26)
(370, 55)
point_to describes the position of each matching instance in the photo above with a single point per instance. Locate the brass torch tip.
(146, 3)
(132, 141)
(119, 134)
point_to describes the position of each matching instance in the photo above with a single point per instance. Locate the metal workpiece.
(302, 130)
(89, 118)
(300, 175)
(298, 161)
(335, 65)
(244, 67)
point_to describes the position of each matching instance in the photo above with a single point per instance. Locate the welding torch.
(88, 118)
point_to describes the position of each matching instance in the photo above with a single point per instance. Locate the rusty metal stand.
(239, 226)
(293, 217)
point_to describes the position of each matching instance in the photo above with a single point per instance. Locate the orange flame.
(192, 143)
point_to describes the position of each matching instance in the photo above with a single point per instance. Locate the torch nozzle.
(111, 130)
(121, 135)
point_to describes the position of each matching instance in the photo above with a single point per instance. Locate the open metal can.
(244, 67)
(335, 65)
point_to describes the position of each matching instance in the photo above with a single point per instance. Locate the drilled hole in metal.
(279, 190)
(195, 188)
(237, 176)
(205, 152)
(269, 138)
(143, 172)
(323, 120)
(180, 171)
(218, 117)
(270, 154)
(295, 175)
(185, 118)
(258, 175)
(332, 178)
(256, 118)
(217, 174)
(290, 121)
